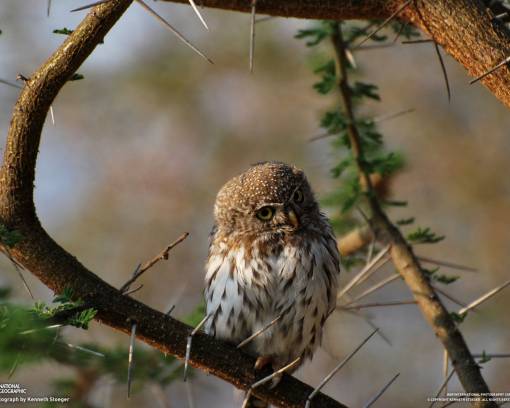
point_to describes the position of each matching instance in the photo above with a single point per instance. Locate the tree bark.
(465, 29)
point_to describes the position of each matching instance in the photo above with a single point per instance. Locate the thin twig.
(448, 296)
(188, 344)
(275, 374)
(336, 369)
(483, 298)
(363, 272)
(492, 355)
(259, 332)
(381, 392)
(48, 8)
(252, 32)
(18, 269)
(443, 69)
(263, 19)
(385, 22)
(173, 30)
(163, 255)
(130, 359)
(490, 71)
(131, 291)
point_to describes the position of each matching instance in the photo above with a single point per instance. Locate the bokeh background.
(141, 146)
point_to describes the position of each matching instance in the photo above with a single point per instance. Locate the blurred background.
(141, 146)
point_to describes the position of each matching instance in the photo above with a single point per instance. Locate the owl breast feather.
(248, 287)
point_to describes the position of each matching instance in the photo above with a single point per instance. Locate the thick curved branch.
(464, 28)
(58, 269)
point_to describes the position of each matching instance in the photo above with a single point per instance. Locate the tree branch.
(403, 257)
(58, 269)
(466, 29)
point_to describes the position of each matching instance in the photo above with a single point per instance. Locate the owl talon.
(261, 362)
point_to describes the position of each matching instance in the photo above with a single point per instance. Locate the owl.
(272, 255)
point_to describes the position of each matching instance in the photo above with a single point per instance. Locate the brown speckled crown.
(266, 182)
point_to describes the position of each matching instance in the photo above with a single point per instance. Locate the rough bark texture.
(464, 28)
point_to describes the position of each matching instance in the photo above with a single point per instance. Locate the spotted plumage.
(272, 255)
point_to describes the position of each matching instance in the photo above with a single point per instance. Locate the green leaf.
(405, 221)
(361, 89)
(63, 31)
(316, 34)
(81, 320)
(76, 77)
(457, 318)
(424, 236)
(329, 80)
(485, 358)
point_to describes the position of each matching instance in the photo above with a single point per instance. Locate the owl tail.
(254, 402)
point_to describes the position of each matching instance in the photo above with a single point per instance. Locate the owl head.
(269, 197)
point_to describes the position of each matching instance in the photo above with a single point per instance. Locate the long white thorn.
(252, 32)
(381, 392)
(197, 12)
(354, 281)
(130, 359)
(374, 288)
(172, 29)
(276, 373)
(335, 370)
(259, 332)
(188, 344)
(443, 385)
(483, 298)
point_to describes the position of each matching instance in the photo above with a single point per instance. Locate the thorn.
(490, 71)
(365, 271)
(84, 349)
(48, 8)
(443, 69)
(130, 292)
(263, 19)
(259, 332)
(9, 83)
(246, 399)
(189, 395)
(97, 3)
(384, 118)
(350, 57)
(383, 24)
(188, 344)
(52, 115)
(483, 298)
(275, 374)
(130, 359)
(53, 326)
(421, 41)
(446, 264)
(336, 369)
(379, 304)
(445, 369)
(374, 288)
(443, 385)
(252, 33)
(170, 310)
(381, 392)
(172, 29)
(197, 12)
(13, 368)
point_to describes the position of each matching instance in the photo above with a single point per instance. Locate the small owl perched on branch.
(272, 256)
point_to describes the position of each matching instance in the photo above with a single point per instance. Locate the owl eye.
(298, 196)
(265, 213)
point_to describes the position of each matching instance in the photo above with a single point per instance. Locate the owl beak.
(294, 220)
